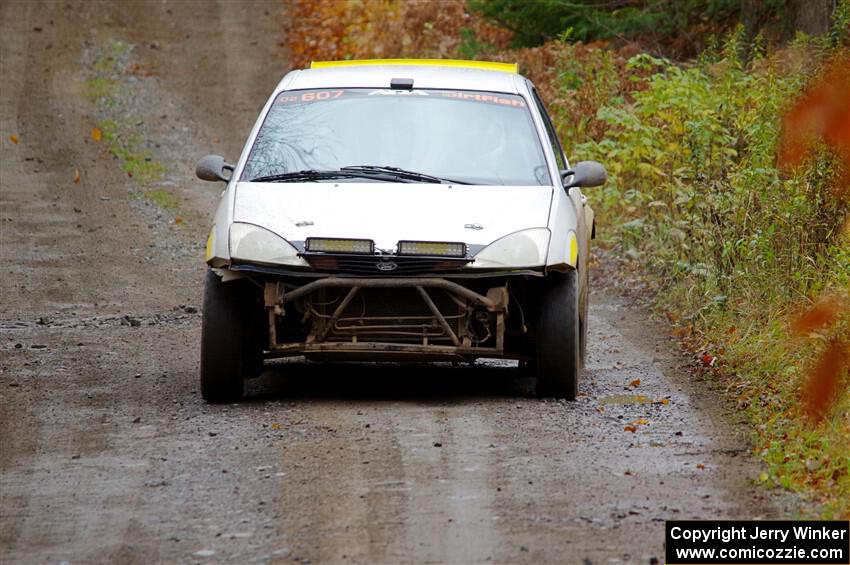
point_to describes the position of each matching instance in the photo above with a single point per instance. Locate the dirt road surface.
(110, 455)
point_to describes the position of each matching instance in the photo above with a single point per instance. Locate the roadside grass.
(104, 87)
(736, 247)
(101, 90)
(732, 246)
(163, 198)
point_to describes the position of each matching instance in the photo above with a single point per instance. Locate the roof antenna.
(401, 84)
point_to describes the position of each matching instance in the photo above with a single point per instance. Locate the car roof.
(426, 73)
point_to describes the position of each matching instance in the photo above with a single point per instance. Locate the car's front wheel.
(226, 342)
(558, 337)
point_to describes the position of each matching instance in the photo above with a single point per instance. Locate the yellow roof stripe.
(485, 65)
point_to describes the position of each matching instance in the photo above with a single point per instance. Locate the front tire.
(225, 339)
(558, 337)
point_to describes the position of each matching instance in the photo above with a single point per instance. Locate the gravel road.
(110, 455)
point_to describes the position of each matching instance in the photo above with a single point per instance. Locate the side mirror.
(212, 168)
(585, 173)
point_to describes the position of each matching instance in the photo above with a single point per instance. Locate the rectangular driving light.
(432, 248)
(335, 245)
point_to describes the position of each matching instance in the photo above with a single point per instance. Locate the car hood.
(389, 212)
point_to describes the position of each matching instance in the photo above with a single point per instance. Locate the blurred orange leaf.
(822, 385)
(630, 428)
(178, 220)
(821, 112)
(14, 139)
(96, 134)
(635, 383)
(823, 313)
(275, 426)
(76, 176)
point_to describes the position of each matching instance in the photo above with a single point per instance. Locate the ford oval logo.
(386, 266)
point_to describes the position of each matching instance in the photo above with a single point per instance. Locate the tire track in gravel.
(107, 452)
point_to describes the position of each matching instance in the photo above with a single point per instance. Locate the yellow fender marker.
(209, 250)
(573, 251)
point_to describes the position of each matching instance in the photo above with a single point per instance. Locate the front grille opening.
(383, 264)
(387, 315)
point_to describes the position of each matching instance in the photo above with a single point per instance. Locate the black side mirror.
(584, 174)
(212, 167)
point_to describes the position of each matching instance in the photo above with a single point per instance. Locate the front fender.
(566, 239)
(218, 241)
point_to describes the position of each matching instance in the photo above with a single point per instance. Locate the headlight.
(258, 245)
(525, 248)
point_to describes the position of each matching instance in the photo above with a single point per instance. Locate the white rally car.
(399, 210)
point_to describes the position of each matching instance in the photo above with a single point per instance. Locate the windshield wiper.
(402, 174)
(310, 175)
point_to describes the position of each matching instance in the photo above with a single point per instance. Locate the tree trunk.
(753, 17)
(811, 16)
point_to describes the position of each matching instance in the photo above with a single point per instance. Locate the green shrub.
(694, 179)
(534, 22)
(734, 243)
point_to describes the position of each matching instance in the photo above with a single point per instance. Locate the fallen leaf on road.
(625, 399)
(14, 139)
(708, 360)
(700, 466)
(275, 426)
(96, 134)
(641, 422)
(635, 383)
(665, 401)
(630, 428)
(178, 220)
(76, 176)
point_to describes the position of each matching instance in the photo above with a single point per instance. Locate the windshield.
(473, 137)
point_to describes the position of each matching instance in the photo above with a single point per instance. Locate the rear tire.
(225, 339)
(559, 337)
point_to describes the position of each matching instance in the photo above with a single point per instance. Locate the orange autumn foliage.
(320, 30)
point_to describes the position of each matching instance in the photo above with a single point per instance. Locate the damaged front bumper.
(416, 318)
